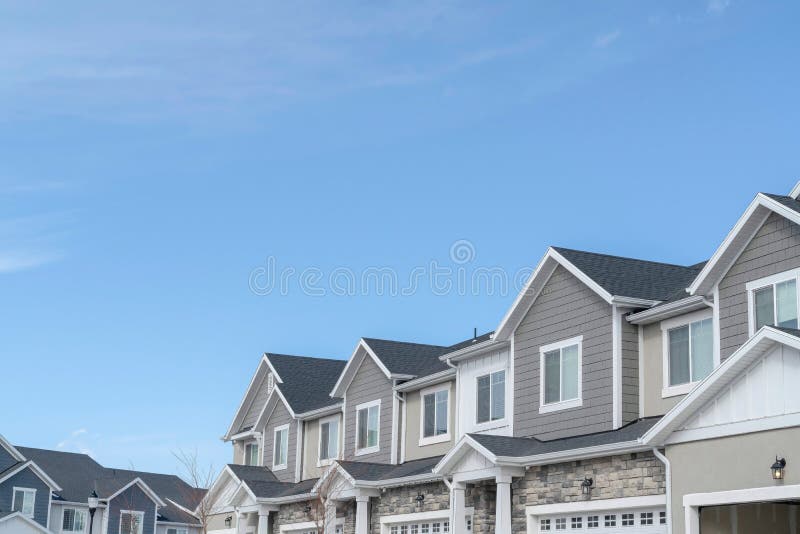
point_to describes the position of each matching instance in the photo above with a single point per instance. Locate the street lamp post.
(93, 500)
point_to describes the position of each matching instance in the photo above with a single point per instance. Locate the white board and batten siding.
(768, 391)
(469, 371)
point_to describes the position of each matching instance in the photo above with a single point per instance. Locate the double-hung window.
(23, 500)
(131, 522)
(280, 445)
(435, 415)
(73, 520)
(367, 427)
(560, 375)
(491, 397)
(328, 439)
(251, 454)
(688, 352)
(773, 301)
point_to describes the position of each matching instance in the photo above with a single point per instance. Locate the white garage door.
(621, 521)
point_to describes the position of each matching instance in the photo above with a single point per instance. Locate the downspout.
(401, 435)
(668, 469)
(456, 415)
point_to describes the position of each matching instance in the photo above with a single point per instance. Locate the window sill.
(368, 450)
(442, 438)
(325, 463)
(674, 391)
(279, 467)
(490, 425)
(558, 406)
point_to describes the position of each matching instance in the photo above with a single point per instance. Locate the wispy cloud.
(32, 241)
(607, 39)
(718, 7)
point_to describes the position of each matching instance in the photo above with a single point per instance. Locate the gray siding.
(279, 417)
(368, 385)
(133, 499)
(411, 434)
(630, 371)
(6, 460)
(27, 479)
(257, 404)
(775, 248)
(565, 308)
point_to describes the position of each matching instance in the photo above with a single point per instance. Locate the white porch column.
(692, 519)
(459, 520)
(362, 515)
(502, 524)
(330, 517)
(263, 522)
(241, 522)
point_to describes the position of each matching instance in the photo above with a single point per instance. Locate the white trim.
(377, 446)
(25, 491)
(717, 337)
(616, 367)
(340, 387)
(132, 513)
(75, 510)
(259, 451)
(735, 429)
(752, 286)
(395, 427)
(307, 525)
(30, 522)
(646, 501)
(275, 431)
(144, 487)
(472, 351)
(418, 516)
(432, 391)
(668, 390)
(492, 423)
(239, 415)
(559, 346)
(671, 309)
(327, 420)
(403, 425)
(795, 192)
(298, 452)
(742, 496)
(36, 471)
(11, 449)
(447, 375)
(640, 342)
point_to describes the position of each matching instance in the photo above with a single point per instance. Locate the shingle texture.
(375, 472)
(787, 201)
(628, 277)
(307, 381)
(272, 490)
(517, 447)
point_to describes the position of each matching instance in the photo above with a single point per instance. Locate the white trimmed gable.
(255, 398)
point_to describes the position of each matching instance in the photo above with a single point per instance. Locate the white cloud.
(718, 7)
(607, 39)
(22, 261)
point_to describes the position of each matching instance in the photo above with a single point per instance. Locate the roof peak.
(627, 258)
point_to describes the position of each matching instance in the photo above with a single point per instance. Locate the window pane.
(278, 448)
(19, 498)
(324, 437)
(372, 438)
(552, 378)
(569, 372)
(765, 315)
(80, 520)
(786, 301)
(125, 524)
(441, 413)
(679, 356)
(702, 349)
(333, 439)
(68, 521)
(362, 429)
(284, 446)
(484, 393)
(498, 395)
(430, 415)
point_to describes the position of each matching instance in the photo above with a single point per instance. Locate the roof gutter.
(472, 350)
(685, 305)
(634, 302)
(429, 380)
(574, 454)
(287, 500)
(396, 482)
(319, 412)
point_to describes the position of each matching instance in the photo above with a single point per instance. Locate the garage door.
(425, 527)
(632, 521)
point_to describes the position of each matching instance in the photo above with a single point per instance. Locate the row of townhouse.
(616, 395)
(54, 492)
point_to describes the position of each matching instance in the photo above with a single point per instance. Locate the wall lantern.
(586, 485)
(420, 497)
(778, 467)
(307, 509)
(228, 521)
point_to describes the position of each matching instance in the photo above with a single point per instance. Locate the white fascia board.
(176, 505)
(633, 302)
(398, 482)
(679, 307)
(144, 487)
(242, 492)
(302, 497)
(473, 350)
(11, 449)
(237, 418)
(349, 371)
(429, 380)
(269, 407)
(462, 447)
(573, 454)
(760, 203)
(795, 192)
(320, 412)
(29, 521)
(226, 471)
(275, 374)
(753, 348)
(38, 471)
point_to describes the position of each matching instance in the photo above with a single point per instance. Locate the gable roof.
(742, 232)
(298, 372)
(8, 517)
(374, 472)
(29, 464)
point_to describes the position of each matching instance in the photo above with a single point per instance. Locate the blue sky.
(157, 158)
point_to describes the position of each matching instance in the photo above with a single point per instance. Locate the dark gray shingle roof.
(787, 201)
(253, 473)
(307, 382)
(517, 447)
(629, 277)
(272, 490)
(376, 472)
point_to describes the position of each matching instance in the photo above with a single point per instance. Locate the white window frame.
(75, 511)
(433, 390)
(377, 447)
(752, 286)
(132, 513)
(570, 403)
(258, 451)
(25, 491)
(178, 530)
(284, 443)
(492, 423)
(670, 324)
(325, 462)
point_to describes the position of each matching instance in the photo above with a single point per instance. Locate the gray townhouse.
(615, 395)
(53, 492)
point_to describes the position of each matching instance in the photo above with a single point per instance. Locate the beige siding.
(730, 463)
(565, 308)
(630, 371)
(653, 373)
(774, 248)
(413, 449)
(369, 384)
(311, 448)
(279, 417)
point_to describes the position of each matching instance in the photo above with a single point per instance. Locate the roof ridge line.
(616, 256)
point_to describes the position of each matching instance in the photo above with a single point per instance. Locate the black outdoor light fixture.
(586, 485)
(93, 502)
(420, 498)
(228, 521)
(307, 509)
(778, 467)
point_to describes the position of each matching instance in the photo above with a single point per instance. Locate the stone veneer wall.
(483, 498)
(403, 500)
(295, 513)
(627, 475)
